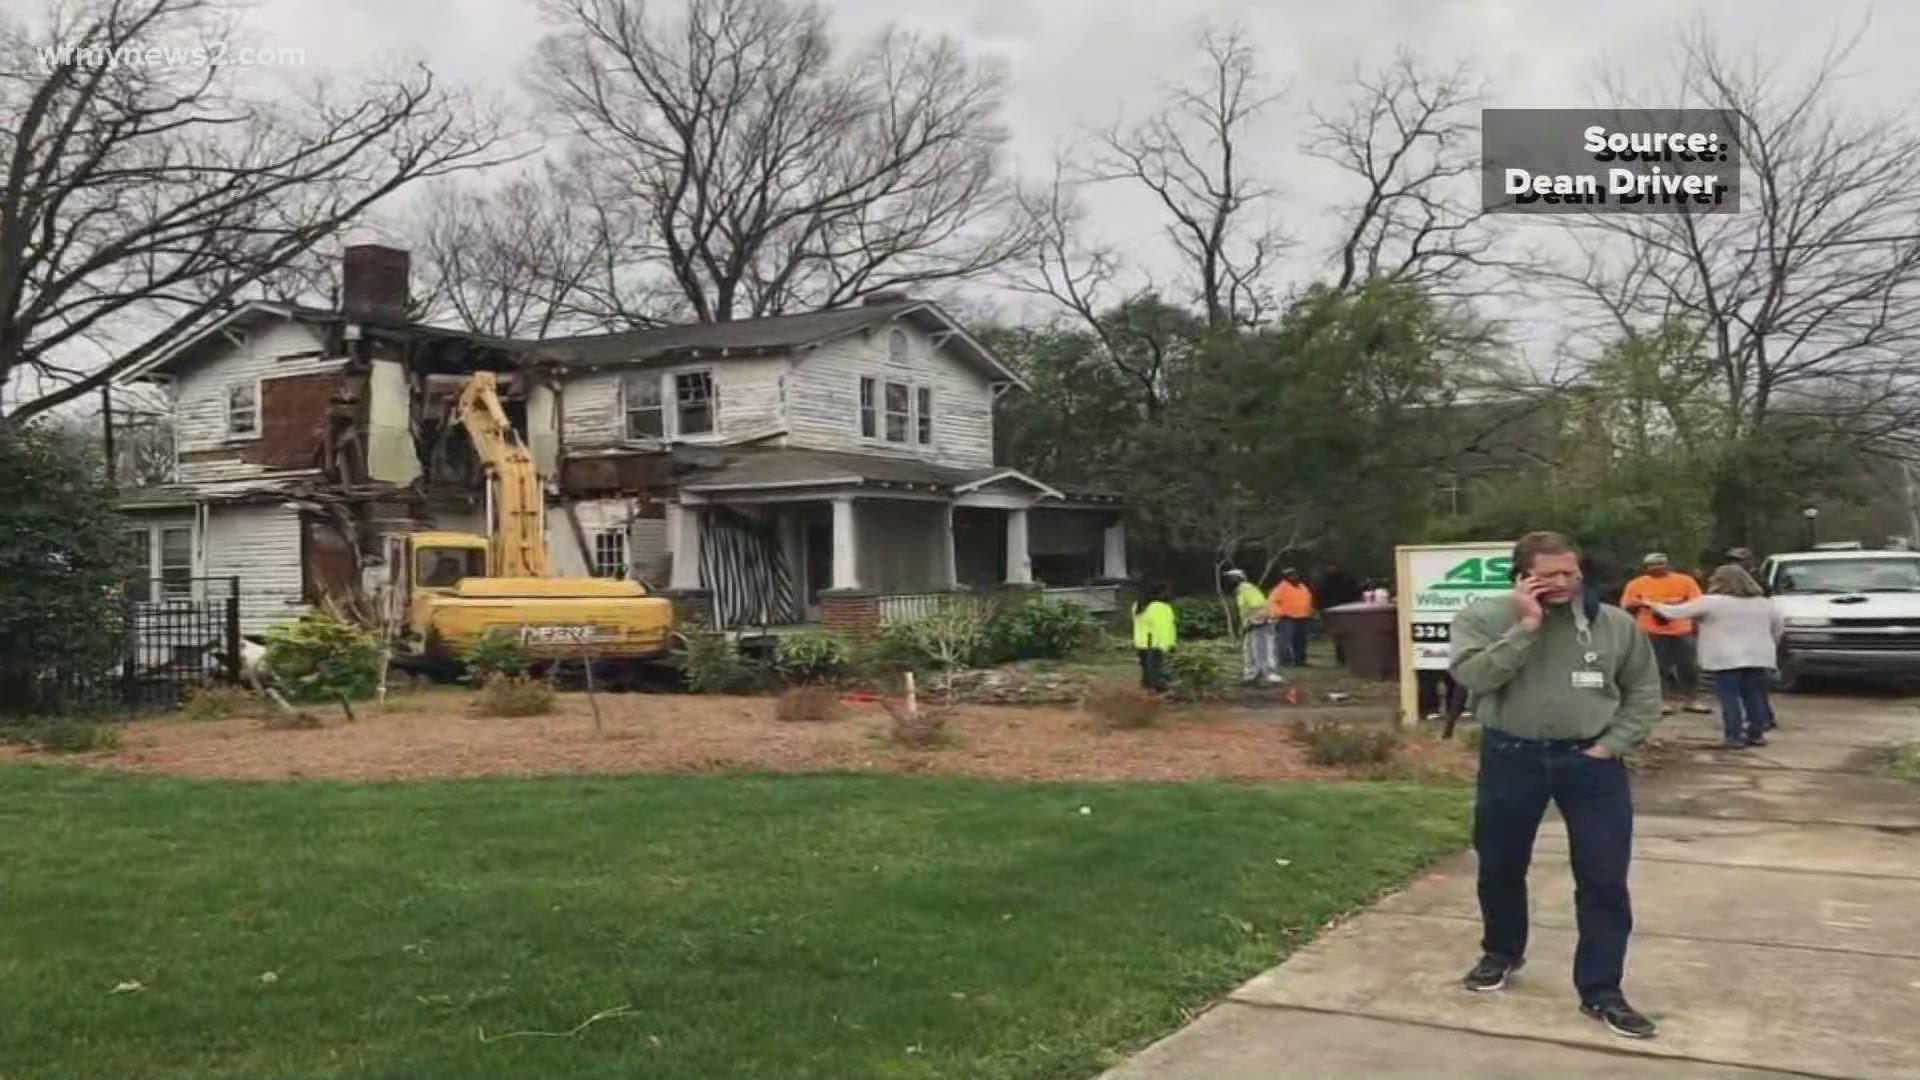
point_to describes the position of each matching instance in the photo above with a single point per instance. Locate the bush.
(321, 657)
(1040, 629)
(65, 557)
(1329, 742)
(1198, 674)
(811, 655)
(715, 666)
(1201, 618)
(811, 704)
(497, 652)
(954, 637)
(1905, 764)
(1126, 706)
(928, 729)
(217, 702)
(63, 736)
(516, 695)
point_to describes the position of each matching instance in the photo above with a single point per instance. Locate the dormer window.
(897, 347)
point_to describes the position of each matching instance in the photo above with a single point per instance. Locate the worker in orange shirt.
(1672, 638)
(1292, 606)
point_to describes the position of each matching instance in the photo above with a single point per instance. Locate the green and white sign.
(1437, 581)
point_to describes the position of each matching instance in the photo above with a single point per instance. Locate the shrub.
(715, 666)
(952, 638)
(497, 652)
(516, 695)
(1198, 674)
(927, 729)
(321, 657)
(1125, 706)
(811, 655)
(1329, 742)
(62, 736)
(1905, 764)
(1040, 629)
(216, 702)
(811, 704)
(1200, 618)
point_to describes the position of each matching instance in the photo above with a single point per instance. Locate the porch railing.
(1100, 599)
(907, 607)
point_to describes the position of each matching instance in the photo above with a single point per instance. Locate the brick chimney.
(373, 283)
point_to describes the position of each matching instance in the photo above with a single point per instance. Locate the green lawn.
(754, 926)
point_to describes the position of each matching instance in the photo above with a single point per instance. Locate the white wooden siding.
(648, 557)
(200, 393)
(748, 390)
(261, 545)
(823, 399)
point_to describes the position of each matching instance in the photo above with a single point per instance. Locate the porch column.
(683, 538)
(846, 544)
(1113, 563)
(952, 563)
(1019, 563)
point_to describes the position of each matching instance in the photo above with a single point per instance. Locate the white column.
(683, 536)
(846, 545)
(1113, 563)
(1019, 563)
(952, 563)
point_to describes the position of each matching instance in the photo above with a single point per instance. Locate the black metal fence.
(187, 636)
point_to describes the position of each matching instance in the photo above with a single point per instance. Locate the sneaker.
(1491, 973)
(1621, 1018)
(1734, 744)
(1700, 710)
(1756, 740)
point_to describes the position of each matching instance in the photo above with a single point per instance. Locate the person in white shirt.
(1740, 632)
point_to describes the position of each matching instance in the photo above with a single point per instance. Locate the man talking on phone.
(1565, 687)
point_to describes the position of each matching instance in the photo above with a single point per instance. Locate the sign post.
(1435, 581)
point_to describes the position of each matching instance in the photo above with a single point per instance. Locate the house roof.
(759, 337)
(758, 470)
(255, 312)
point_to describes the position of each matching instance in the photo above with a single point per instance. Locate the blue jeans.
(1153, 669)
(1293, 640)
(1518, 777)
(1743, 701)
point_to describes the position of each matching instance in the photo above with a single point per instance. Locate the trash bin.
(1369, 634)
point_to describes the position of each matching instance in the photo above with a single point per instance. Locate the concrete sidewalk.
(1777, 911)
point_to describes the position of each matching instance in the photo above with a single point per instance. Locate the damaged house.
(832, 467)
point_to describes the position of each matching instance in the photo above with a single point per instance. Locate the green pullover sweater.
(1565, 680)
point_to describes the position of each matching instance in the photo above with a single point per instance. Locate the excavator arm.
(516, 529)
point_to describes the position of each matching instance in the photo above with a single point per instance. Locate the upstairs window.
(163, 564)
(694, 393)
(869, 416)
(646, 417)
(243, 410)
(923, 415)
(610, 553)
(897, 347)
(899, 412)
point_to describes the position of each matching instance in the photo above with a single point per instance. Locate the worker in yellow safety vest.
(1154, 636)
(1257, 659)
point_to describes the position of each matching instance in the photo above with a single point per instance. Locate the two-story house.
(768, 472)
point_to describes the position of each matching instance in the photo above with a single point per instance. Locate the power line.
(1895, 239)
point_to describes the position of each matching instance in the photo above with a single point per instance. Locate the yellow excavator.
(445, 590)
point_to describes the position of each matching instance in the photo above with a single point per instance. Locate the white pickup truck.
(1847, 612)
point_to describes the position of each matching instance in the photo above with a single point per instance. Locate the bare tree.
(1809, 297)
(138, 199)
(778, 177)
(533, 256)
(1409, 137)
(1190, 155)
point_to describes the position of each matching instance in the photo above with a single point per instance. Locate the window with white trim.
(923, 415)
(899, 411)
(640, 397)
(869, 416)
(243, 410)
(610, 553)
(897, 347)
(163, 563)
(693, 393)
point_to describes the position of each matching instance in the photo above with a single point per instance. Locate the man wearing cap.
(1256, 630)
(1672, 638)
(1292, 606)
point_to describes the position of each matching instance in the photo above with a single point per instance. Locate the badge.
(1591, 658)
(1589, 680)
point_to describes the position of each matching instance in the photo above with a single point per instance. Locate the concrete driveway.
(1777, 910)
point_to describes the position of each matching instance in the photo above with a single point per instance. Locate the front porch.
(860, 551)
